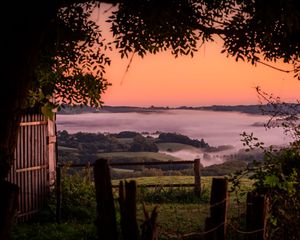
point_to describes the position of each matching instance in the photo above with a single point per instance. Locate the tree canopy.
(249, 29)
(73, 58)
(55, 53)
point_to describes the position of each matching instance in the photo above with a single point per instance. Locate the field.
(246, 184)
(180, 212)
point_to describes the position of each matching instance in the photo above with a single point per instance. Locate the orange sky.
(208, 78)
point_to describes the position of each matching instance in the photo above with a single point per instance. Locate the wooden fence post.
(58, 194)
(256, 216)
(8, 208)
(197, 173)
(127, 203)
(216, 223)
(106, 223)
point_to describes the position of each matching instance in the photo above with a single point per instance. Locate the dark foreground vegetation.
(180, 211)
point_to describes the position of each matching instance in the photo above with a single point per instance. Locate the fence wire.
(179, 219)
(181, 215)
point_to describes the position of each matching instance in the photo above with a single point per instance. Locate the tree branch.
(276, 68)
(65, 3)
(210, 30)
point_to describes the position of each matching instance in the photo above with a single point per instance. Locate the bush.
(278, 178)
(78, 196)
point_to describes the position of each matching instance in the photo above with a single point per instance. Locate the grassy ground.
(205, 181)
(179, 210)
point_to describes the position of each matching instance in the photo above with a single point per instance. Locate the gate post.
(106, 223)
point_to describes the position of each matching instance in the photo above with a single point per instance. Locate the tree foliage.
(277, 176)
(250, 30)
(72, 63)
(72, 60)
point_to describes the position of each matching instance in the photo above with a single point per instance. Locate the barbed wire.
(236, 207)
(191, 234)
(243, 231)
(177, 234)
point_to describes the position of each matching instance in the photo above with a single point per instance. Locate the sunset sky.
(208, 78)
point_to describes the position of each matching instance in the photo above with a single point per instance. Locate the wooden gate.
(34, 164)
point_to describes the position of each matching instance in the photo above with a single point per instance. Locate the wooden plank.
(39, 162)
(52, 155)
(28, 145)
(151, 163)
(33, 163)
(36, 163)
(24, 160)
(52, 139)
(35, 166)
(32, 123)
(29, 190)
(45, 172)
(26, 214)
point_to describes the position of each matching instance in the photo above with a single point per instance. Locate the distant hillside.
(250, 109)
(267, 109)
(105, 109)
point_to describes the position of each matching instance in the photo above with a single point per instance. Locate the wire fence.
(235, 222)
(183, 216)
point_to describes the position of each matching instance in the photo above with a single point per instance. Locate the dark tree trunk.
(8, 208)
(23, 35)
(23, 30)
